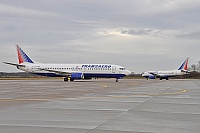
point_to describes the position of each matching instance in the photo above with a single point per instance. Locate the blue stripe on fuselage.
(49, 74)
(103, 75)
(86, 75)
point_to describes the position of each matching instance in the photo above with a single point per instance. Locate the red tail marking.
(186, 65)
(19, 55)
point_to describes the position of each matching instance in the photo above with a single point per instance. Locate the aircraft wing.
(14, 64)
(154, 73)
(58, 72)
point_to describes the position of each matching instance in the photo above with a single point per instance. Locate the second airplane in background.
(183, 69)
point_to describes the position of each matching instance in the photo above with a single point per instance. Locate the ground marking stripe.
(82, 98)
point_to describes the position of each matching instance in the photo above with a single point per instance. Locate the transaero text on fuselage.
(96, 66)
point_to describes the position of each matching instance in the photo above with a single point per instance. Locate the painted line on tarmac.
(85, 98)
(104, 86)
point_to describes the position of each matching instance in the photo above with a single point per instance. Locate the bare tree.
(193, 67)
(198, 66)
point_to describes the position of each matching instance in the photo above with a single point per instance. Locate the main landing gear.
(165, 78)
(66, 79)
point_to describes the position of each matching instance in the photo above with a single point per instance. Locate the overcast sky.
(140, 35)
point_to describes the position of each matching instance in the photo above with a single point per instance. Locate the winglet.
(22, 56)
(184, 66)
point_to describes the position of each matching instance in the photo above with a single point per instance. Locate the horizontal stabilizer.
(14, 64)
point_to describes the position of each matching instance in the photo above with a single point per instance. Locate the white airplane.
(183, 69)
(69, 71)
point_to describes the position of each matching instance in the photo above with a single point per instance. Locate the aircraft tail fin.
(22, 56)
(184, 66)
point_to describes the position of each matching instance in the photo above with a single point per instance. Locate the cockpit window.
(122, 68)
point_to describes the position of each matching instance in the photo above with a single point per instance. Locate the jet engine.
(77, 76)
(152, 76)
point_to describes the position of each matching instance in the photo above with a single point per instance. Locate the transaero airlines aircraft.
(183, 69)
(69, 71)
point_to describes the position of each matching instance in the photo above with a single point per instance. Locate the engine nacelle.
(77, 76)
(152, 77)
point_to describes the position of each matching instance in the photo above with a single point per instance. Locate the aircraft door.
(35, 68)
(113, 69)
(75, 69)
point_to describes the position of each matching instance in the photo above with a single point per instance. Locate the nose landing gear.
(116, 79)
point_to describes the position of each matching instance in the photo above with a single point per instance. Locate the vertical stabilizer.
(184, 66)
(22, 56)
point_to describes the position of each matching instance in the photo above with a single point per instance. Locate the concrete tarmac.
(100, 106)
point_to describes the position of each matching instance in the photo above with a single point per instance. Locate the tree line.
(195, 67)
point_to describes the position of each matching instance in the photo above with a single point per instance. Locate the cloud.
(190, 35)
(15, 11)
(134, 34)
(128, 32)
(156, 7)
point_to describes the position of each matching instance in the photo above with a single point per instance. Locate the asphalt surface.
(100, 106)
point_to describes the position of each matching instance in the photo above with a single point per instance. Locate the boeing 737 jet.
(69, 71)
(183, 69)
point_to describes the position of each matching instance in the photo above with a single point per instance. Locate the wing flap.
(58, 72)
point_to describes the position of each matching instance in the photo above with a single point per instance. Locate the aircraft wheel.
(65, 79)
(116, 79)
(167, 78)
(160, 78)
(71, 79)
